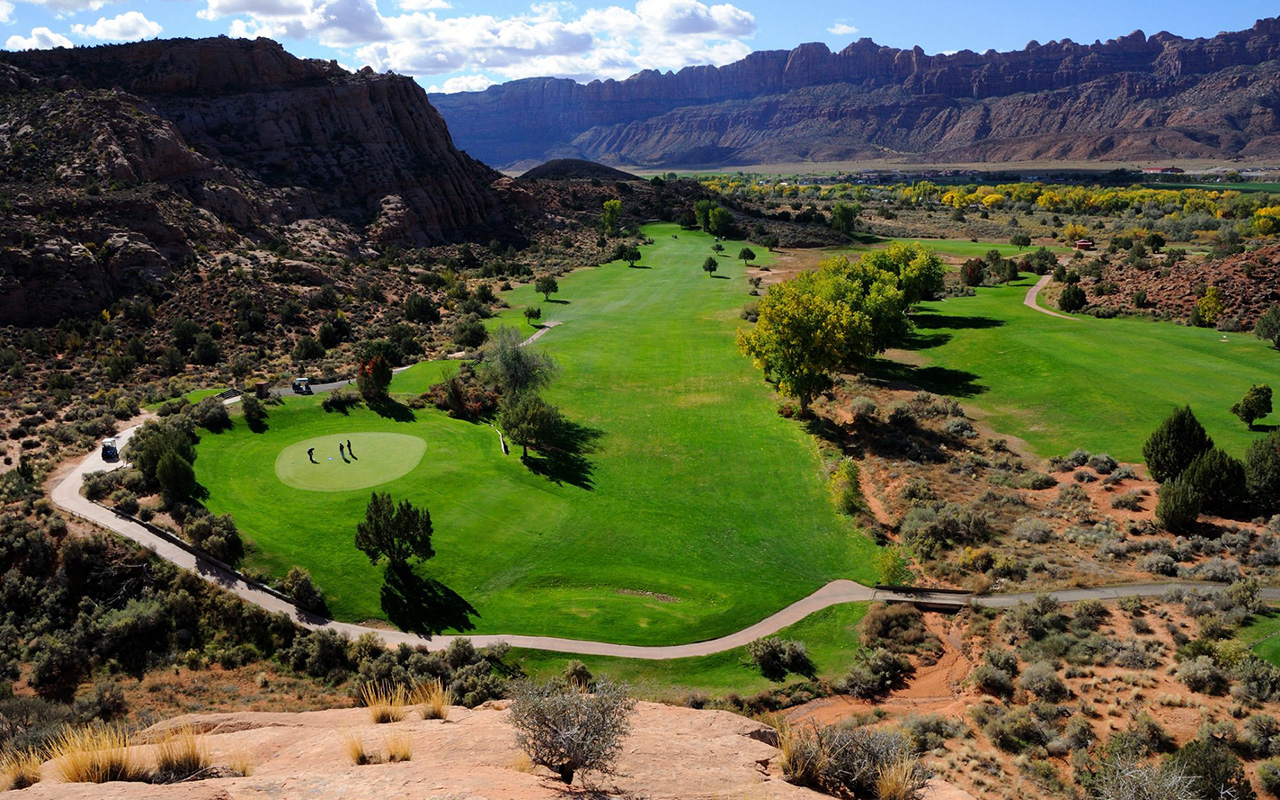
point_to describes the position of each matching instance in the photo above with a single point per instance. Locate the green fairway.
(387, 456)
(830, 635)
(1260, 634)
(1102, 385)
(693, 510)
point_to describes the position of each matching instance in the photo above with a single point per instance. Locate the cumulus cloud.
(550, 38)
(463, 83)
(5, 10)
(65, 8)
(40, 39)
(842, 28)
(126, 27)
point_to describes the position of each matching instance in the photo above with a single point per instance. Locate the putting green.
(379, 458)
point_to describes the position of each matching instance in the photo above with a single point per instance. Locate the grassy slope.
(1098, 384)
(1260, 634)
(697, 488)
(830, 635)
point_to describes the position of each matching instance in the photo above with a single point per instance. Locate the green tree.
(394, 532)
(255, 413)
(373, 378)
(702, 213)
(153, 440)
(720, 221)
(420, 308)
(746, 254)
(176, 477)
(628, 253)
(1175, 444)
(1179, 505)
(1020, 241)
(532, 313)
(1255, 405)
(610, 216)
(308, 349)
(1072, 298)
(529, 421)
(710, 265)
(844, 217)
(1214, 771)
(546, 286)
(468, 331)
(1268, 326)
(918, 269)
(1210, 307)
(1262, 473)
(512, 368)
(206, 350)
(893, 566)
(1220, 481)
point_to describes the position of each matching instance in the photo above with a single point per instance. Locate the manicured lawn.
(1260, 634)
(830, 636)
(694, 511)
(1102, 385)
(194, 396)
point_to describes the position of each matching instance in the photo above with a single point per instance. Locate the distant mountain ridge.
(1134, 97)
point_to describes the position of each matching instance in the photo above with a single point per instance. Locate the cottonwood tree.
(844, 217)
(710, 265)
(746, 254)
(546, 286)
(514, 369)
(628, 253)
(610, 215)
(529, 421)
(1255, 405)
(568, 729)
(394, 532)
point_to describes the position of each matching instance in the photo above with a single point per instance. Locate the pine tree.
(1175, 444)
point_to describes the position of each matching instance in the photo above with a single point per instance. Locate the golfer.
(311, 454)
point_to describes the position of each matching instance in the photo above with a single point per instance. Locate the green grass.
(386, 456)
(1261, 634)
(830, 636)
(421, 376)
(1102, 385)
(194, 396)
(695, 488)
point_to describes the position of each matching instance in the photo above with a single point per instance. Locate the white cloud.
(5, 10)
(550, 38)
(64, 8)
(126, 27)
(842, 29)
(463, 83)
(40, 39)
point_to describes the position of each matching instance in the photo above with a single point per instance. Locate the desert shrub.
(1213, 770)
(1041, 679)
(917, 491)
(1037, 618)
(1032, 530)
(1160, 564)
(340, 400)
(862, 408)
(931, 731)
(877, 673)
(929, 529)
(898, 628)
(1261, 736)
(1014, 729)
(1102, 463)
(1072, 298)
(1035, 481)
(1201, 674)
(846, 491)
(776, 657)
(1129, 501)
(852, 762)
(297, 584)
(1269, 776)
(211, 414)
(568, 730)
(1256, 680)
(959, 428)
(1126, 779)
(991, 680)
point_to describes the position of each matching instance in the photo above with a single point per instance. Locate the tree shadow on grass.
(720, 277)
(639, 266)
(939, 380)
(564, 460)
(424, 605)
(931, 320)
(392, 409)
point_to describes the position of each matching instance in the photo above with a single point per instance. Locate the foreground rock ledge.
(673, 753)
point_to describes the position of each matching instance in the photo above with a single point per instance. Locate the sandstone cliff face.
(205, 137)
(868, 100)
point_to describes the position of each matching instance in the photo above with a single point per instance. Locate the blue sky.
(452, 45)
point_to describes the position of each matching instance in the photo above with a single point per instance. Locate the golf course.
(690, 509)
(1061, 384)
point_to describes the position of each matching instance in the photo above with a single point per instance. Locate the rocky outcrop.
(867, 101)
(181, 143)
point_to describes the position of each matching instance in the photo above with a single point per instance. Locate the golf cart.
(110, 449)
(302, 386)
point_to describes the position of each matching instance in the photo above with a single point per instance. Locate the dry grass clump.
(356, 751)
(97, 755)
(242, 762)
(181, 755)
(399, 748)
(434, 698)
(898, 781)
(18, 770)
(386, 703)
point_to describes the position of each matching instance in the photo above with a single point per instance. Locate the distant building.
(1162, 171)
(1084, 244)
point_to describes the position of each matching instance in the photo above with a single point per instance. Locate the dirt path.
(66, 495)
(1030, 300)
